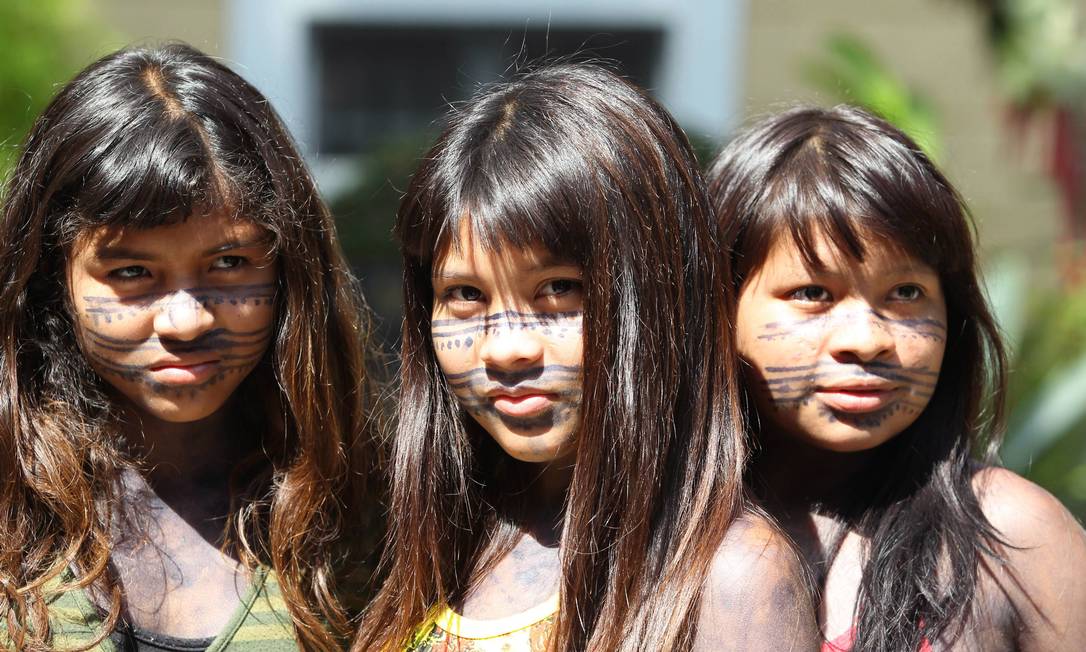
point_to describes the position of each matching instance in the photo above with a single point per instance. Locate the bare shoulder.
(754, 549)
(1041, 566)
(756, 596)
(1025, 515)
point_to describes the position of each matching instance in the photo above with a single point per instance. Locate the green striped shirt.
(261, 622)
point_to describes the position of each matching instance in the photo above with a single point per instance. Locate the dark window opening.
(385, 82)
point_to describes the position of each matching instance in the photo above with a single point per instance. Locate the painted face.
(847, 357)
(175, 317)
(506, 330)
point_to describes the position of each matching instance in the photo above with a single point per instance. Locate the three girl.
(875, 376)
(184, 416)
(566, 470)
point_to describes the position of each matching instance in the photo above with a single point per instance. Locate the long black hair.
(852, 176)
(141, 138)
(576, 160)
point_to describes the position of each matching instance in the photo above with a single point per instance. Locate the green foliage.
(365, 214)
(1040, 48)
(851, 72)
(45, 43)
(1045, 330)
(366, 211)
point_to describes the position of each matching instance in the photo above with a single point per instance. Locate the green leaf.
(1059, 404)
(851, 72)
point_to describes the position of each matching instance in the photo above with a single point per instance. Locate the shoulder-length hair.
(141, 138)
(574, 159)
(853, 177)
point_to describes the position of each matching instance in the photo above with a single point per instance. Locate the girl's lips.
(184, 374)
(524, 405)
(855, 400)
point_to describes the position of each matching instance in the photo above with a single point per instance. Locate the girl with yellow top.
(566, 469)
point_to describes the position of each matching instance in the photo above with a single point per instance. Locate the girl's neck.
(185, 467)
(793, 476)
(170, 450)
(547, 502)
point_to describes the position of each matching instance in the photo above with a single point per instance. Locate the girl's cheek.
(454, 345)
(790, 342)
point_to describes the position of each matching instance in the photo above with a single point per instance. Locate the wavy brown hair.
(853, 176)
(577, 160)
(141, 138)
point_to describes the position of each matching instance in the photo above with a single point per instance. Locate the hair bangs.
(524, 212)
(804, 199)
(151, 175)
(515, 190)
(826, 184)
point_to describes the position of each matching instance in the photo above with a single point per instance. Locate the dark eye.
(130, 273)
(812, 293)
(464, 293)
(907, 292)
(229, 262)
(559, 287)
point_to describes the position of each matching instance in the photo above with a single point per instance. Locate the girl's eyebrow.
(531, 269)
(236, 244)
(451, 275)
(119, 252)
(114, 252)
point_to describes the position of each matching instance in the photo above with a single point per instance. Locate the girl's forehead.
(507, 261)
(206, 230)
(468, 252)
(880, 254)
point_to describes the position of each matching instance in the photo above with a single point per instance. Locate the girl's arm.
(1044, 576)
(756, 596)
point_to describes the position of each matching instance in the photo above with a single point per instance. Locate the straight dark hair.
(856, 179)
(574, 159)
(141, 138)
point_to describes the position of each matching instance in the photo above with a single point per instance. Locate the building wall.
(700, 62)
(199, 22)
(752, 53)
(938, 47)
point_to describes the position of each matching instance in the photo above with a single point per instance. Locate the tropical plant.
(1046, 334)
(1039, 48)
(850, 71)
(365, 213)
(45, 42)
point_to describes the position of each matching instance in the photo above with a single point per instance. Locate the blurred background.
(994, 90)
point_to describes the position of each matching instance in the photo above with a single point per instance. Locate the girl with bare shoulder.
(875, 376)
(184, 431)
(566, 469)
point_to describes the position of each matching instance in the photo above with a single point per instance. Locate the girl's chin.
(176, 411)
(845, 439)
(540, 449)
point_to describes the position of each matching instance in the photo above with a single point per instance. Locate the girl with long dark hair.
(875, 379)
(566, 469)
(185, 435)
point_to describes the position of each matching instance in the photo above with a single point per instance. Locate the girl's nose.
(861, 334)
(182, 316)
(511, 342)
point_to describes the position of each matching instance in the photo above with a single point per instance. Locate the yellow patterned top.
(448, 631)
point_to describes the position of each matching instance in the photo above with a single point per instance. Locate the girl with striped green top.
(184, 415)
